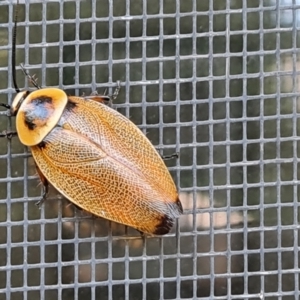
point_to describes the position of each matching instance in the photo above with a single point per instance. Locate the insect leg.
(5, 105)
(172, 156)
(8, 134)
(45, 187)
(105, 99)
(32, 79)
(115, 94)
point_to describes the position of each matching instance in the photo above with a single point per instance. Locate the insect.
(95, 157)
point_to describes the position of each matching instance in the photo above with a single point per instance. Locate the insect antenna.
(13, 56)
(32, 79)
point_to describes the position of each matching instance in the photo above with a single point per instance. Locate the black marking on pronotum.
(41, 100)
(38, 111)
(29, 123)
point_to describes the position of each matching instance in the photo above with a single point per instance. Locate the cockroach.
(94, 156)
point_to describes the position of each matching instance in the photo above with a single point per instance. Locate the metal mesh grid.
(216, 81)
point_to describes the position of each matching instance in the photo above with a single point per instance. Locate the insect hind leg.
(105, 99)
(45, 184)
(172, 156)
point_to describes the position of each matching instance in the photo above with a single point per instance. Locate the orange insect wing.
(103, 163)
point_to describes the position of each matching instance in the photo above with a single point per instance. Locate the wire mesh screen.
(215, 81)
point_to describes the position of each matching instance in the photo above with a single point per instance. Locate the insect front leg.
(5, 133)
(45, 184)
(8, 134)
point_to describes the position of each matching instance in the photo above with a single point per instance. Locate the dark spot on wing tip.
(30, 124)
(175, 208)
(166, 223)
(167, 220)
